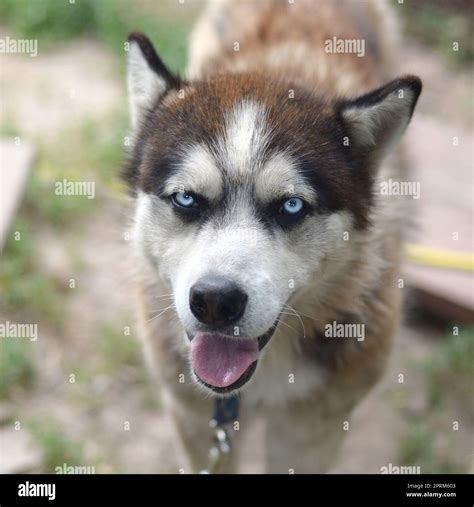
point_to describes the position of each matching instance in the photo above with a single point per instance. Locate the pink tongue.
(220, 361)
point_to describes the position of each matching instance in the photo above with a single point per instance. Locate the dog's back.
(290, 39)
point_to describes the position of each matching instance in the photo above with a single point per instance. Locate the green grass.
(22, 285)
(56, 446)
(108, 21)
(117, 348)
(451, 371)
(102, 146)
(57, 210)
(430, 441)
(92, 152)
(440, 27)
(16, 365)
(8, 127)
(57, 20)
(418, 448)
(33, 19)
(117, 356)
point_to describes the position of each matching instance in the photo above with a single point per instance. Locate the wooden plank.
(15, 162)
(442, 162)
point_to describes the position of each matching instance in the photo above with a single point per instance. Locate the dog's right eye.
(184, 200)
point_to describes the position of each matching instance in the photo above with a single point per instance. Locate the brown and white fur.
(265, 114)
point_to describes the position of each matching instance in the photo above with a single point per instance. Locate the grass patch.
(91, 152)
(451, 371)
(53, 20)
(16, 365)
(8, 127)
(430, 442)
(418, 447)
(22, 285)
(56, 446)
(105, 146)
(439, 27)
(108, 21)
(42, 202)
(118, 348)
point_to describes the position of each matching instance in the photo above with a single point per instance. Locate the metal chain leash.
(226, 411)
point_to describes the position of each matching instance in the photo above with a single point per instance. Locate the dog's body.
(264, 120)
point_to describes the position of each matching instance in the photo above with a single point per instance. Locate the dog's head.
(246, 188)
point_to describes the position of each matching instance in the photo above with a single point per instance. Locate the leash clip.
(225, 413)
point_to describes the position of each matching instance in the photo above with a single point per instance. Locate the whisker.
(162, 312)
(304, 314)
(295, 313)
(287, 325)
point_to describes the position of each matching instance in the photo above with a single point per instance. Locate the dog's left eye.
(183, 200)
(292, 207)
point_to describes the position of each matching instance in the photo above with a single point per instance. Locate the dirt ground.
(94, 409)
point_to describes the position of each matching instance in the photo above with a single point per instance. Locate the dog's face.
(247, 191)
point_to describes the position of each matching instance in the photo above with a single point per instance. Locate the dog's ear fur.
(147, 77)
(375, 122)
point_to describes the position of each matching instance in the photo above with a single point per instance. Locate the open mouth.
(225, 363)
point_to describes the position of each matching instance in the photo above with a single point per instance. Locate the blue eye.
(292, 206)
(183, 199)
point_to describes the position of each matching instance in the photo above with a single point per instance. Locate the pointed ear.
(147, 77)
(377, 120)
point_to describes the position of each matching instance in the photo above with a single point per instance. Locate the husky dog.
(260, 231)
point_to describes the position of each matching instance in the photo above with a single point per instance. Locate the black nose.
(217, 301)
